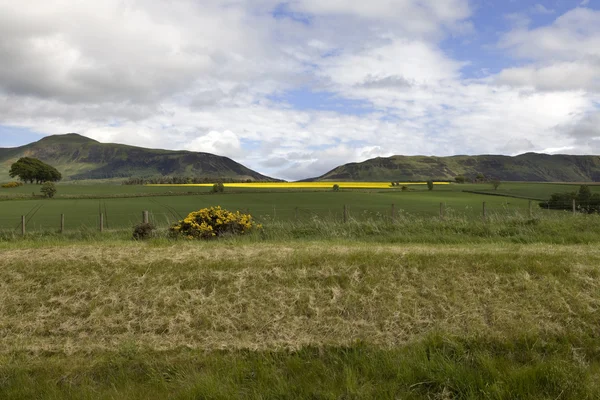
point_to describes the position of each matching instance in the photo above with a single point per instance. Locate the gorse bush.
(213, 222)
(11, 185)
(143, 231)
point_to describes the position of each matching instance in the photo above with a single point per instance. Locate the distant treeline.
(183, 180)
(585, 201)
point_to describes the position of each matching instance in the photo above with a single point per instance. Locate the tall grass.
(558, 228)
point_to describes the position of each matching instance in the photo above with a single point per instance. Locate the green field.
(309, 307)
(122, 205)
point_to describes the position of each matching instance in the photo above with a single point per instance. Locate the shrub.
(218, 188)
(404, 188)
(430, 185)
(213, 222)
(11, 185)
(336, 188)
(143, 231)
(48, 189)
(460, 179)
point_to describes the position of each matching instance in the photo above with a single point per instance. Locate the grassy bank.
(299, 319)
(552, 228)
(436, 367)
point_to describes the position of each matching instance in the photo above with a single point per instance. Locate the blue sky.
(295, 88)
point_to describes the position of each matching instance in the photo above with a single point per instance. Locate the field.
(122, 205)
(414, 307)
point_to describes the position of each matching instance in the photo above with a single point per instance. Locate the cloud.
(573, 35)
(565, 55)
(557, 76)
(224, 143)
(213, 76)
(541, 9)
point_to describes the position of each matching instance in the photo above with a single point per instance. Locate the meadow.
(122, 205)
(414, 307)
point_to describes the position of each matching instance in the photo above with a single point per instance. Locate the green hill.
(78, 157)
(525, 167)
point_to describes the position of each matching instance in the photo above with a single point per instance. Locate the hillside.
(78, 157)
(525, 167)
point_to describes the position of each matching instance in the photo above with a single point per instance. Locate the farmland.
(413, 307)
(122, 205)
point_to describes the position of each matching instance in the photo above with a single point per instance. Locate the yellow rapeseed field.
(308, 185)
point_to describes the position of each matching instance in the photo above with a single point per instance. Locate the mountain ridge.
(78, 157)
(534, 167)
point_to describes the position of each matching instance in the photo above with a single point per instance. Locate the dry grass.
(80, 299)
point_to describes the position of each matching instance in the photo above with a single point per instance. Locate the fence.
(36, 219)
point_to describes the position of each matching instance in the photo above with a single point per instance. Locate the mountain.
(524, 167)
(78, 157)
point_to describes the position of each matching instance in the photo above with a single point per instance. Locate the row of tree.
(33, 170)
(585, 201)
(181, 180)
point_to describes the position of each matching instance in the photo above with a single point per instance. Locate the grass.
(310, 307)
(549, 228)
(265, 207)
(123, 205)
(298, 319)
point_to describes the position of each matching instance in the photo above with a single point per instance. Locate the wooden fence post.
(345, 213)
(574, 206)
(145, 217)
(530, 209)
(101, 222)
(62, 223)
(484, 211)
(23, 225)
(442, 210)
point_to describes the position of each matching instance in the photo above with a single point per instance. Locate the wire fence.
(41, 218)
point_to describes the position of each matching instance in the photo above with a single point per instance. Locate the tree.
(585, 200)
(496, 183)
(460, 179)
(404, 188)
(584, 194)
(336, 188)
(430, 185)
(49, 190)
(480, 177)
(218, 188)
(33, 170)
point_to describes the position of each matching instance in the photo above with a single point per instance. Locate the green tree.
(495, 184)
(460, 179)
(48, 189)
(430, 185)
(584, 194)
(33, 170)
(480, 177)
(336, 188)
(218, 187)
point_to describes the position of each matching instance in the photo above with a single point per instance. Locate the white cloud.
(201, 76)
(224, 143)
(541, 9)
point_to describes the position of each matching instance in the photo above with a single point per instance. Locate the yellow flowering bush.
(11, 185)
(213, 222)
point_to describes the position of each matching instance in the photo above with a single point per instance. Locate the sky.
(294, 88)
